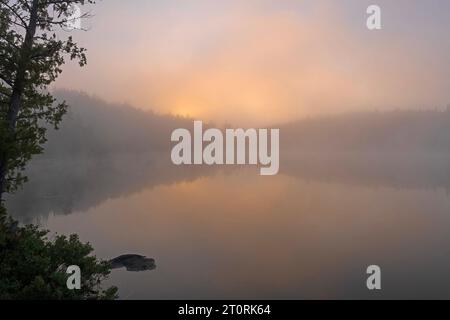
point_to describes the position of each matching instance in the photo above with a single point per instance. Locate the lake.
(309, 232)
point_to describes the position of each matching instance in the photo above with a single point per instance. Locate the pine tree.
(31, 57)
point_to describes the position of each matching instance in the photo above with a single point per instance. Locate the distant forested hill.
(381, 132)
(94, 127)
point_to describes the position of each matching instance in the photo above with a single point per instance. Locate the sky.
(259, 62)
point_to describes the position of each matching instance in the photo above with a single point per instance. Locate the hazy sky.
(262, 61)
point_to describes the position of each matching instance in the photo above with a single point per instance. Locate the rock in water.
(133, 262)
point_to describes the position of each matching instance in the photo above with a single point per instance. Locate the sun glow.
(185, 110)
(255, 65)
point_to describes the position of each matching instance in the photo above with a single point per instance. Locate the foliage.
(34, 267)
(32, 53)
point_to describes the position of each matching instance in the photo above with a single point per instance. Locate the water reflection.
(309, 232)
(66, 185)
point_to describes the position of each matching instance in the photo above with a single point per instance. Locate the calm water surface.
(235, 234)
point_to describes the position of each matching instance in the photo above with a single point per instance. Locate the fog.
(95, 127)
(105, 151)
(263, 62)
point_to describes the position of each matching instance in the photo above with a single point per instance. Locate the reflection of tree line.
(65, 186)
(378, 170)
(105, 151)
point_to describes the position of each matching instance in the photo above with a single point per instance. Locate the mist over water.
(374, 193)
(238, 235)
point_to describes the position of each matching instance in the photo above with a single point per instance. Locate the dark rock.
(133, 262)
